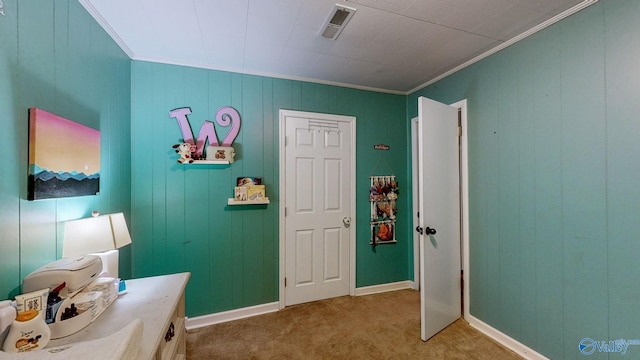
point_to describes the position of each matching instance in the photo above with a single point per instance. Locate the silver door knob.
(346, 221)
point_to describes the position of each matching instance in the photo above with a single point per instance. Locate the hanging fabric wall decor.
(383, 194)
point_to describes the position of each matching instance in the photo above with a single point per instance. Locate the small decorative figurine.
(185, 150)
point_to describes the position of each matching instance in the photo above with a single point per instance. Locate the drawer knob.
(170, 333)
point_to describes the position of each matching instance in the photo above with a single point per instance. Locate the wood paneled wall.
(181, 221)
(54, 56)
(553, 124)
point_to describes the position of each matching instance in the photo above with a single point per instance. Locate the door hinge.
(286, 140)
(285, 282)
(459, 122)
(285, 211)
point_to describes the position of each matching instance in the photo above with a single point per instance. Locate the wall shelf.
(208, 162)
(383, 242)
(232, 201)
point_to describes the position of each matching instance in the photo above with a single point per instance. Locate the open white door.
(439, 222)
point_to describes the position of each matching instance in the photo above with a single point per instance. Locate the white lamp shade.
(95, 234)
(120, 230)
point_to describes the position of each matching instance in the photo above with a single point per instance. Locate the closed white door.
(439, 205)
(317, 194)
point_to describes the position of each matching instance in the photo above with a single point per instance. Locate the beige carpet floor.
(379, 326)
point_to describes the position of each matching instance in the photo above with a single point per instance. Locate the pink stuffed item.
(185, 150)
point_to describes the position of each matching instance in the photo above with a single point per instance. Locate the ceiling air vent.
(336, 21)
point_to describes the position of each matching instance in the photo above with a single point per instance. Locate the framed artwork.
(64, 157)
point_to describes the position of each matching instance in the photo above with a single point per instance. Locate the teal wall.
(553, 166)
(54, 56)
(552, 156)
(180, 217)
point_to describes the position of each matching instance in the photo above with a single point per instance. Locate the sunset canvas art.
(64, 157)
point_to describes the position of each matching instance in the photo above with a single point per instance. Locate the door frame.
(282, 196)
(464, 202)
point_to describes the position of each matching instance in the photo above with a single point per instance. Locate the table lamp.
(99, 235)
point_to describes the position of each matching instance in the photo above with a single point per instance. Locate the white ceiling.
(394, 46)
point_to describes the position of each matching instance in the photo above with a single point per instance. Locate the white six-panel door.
(317, 198)
(439, 206)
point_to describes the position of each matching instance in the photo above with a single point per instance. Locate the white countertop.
(151, 300)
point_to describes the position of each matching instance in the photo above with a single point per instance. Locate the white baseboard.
(505, 340)
(375, 289)
(236, 314)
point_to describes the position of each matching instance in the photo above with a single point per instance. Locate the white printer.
(77, 272)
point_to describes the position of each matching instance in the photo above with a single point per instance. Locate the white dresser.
(159, 302)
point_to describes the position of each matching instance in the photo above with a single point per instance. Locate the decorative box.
(221, 153)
